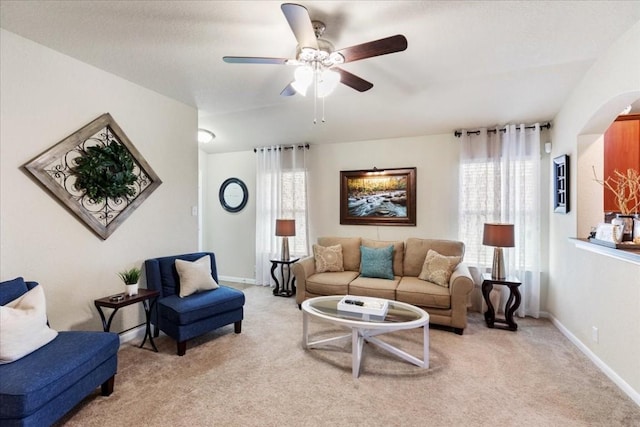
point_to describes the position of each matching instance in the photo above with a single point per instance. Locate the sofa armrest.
(461, 281)
(302, 269)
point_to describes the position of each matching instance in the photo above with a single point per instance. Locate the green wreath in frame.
(105, 172)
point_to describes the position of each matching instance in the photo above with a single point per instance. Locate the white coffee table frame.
(362, 330)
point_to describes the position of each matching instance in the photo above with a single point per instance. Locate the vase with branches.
(625, 188)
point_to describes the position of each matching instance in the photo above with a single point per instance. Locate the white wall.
(231, 236)
(588, 289)
(435, 159)
(45, 96)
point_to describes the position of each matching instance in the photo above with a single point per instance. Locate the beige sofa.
(447, 306)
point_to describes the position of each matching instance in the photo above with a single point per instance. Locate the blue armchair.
(39, 388)
(183, 318)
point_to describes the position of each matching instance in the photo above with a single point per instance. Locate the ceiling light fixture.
(205, 136)
(314, 68)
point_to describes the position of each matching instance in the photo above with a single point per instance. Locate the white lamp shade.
(303, 78)
(327, 82)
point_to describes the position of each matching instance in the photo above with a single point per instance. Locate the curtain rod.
(458, 133)
(288, 147)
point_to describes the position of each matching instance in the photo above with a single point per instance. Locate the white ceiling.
(468, 64)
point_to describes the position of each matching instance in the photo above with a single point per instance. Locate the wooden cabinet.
(621, 151)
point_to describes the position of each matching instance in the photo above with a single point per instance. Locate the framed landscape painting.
(378, 197)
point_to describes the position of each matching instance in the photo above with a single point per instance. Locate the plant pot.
(131, 289)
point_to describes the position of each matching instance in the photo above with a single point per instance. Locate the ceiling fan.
(316, 60)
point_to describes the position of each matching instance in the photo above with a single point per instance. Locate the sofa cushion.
(328, 258)
(350, 250)
(23, 325)
(184, 311)
(36, 379)
(377, 262)
(422, 293)
(438, 268)
(372, 287)
(195, 276)
(334, 283)
(12, 289)
(416, 252)
(398, 252)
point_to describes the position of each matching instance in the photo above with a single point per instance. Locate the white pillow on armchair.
(23, 326)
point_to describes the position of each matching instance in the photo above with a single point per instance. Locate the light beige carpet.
(263, 377)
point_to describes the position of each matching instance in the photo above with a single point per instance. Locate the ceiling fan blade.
(253, 60)
(300, 23)
(353, 81)
(288, 90)
(384, 46)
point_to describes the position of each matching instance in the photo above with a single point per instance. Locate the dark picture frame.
(378, 197)
(233, 195)
(561, 184)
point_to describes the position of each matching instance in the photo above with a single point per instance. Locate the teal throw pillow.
(376, 262)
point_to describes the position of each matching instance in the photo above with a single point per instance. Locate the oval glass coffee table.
(399, 316)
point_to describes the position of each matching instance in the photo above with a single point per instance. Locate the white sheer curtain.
(500, 182)
(281, 192)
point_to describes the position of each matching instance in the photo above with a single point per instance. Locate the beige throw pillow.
(328, 258)
(23, 326)
(195, 276)
(438, 268)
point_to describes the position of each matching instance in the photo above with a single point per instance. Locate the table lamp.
(284, 229)
(500, 236)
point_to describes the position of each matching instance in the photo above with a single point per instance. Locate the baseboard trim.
(233, 279)
(622, 384)
(132, 334)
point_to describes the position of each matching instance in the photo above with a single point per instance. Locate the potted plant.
(130, 278)
(626, 189)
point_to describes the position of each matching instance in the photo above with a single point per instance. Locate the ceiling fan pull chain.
(315, 93)
(323, 110)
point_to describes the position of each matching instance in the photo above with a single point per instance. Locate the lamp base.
(497, 271)
(285, 249)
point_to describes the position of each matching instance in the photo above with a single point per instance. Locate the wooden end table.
(513, 302)
(147, 297)
(288, 287)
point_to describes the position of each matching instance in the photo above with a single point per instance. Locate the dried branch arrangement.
(625, 187)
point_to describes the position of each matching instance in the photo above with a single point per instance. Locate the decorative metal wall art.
(378, 197)
(96, 173)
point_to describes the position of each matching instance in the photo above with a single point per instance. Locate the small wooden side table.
(147, 297)
(288, 287)
(513, 302)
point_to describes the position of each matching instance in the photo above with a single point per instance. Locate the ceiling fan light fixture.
(303, 79)
(327, 82)
(336, 58)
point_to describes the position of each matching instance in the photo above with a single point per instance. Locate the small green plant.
(131, 276)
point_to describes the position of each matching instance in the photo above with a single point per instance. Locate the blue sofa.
(196, 314)
(39, 388)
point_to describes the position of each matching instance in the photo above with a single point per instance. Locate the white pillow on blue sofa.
(195, 276)
(23, 326)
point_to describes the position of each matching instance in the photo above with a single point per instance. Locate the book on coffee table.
(366, 307)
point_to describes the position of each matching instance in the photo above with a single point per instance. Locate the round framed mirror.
(233, 195)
